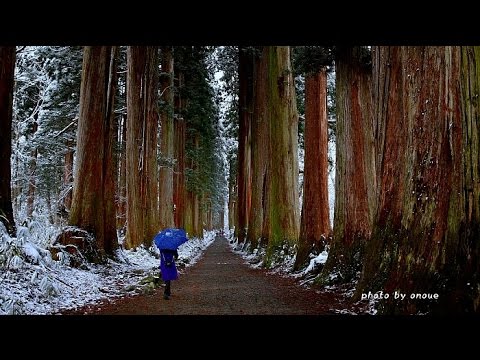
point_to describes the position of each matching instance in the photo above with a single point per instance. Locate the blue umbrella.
(170, 239)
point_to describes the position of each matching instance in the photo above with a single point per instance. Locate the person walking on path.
(168, 269)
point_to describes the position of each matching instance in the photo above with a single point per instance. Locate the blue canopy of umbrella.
(170, 238)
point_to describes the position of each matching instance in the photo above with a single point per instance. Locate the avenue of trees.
(124, 141)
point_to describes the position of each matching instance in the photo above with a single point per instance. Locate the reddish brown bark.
(419, 226)
(315, 226)
(92, 202)
(244, 179)
(142, 125)
(7, 68)
(259, 150)
(355, 168)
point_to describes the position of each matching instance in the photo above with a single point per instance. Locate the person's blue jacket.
(167, 264)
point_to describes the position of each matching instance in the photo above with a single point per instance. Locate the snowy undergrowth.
(32, 283)
(283, 261)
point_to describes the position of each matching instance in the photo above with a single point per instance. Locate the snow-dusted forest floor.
(32, 283)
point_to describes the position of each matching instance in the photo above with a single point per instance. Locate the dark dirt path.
(222, 284)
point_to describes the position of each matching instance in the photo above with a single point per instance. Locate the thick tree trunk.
(281, 220)
(259, 149)
(468, 247)
(315, 226)
(244, 179)
(355, 178)
(142, 124)
(32, 169)
(167, 139)
(179, 169)
(421, 241)
(7, 68)
(92, 203)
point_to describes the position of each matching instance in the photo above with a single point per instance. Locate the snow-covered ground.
(32, 283)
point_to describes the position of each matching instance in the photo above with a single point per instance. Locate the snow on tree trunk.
(281, 218)
(167, 139)
(244, 180)
(142, 124)
(355, 178)
(422, 239)
(91, 203)
(315, 220)
(7, 67)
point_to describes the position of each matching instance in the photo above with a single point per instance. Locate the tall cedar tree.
(167, 139)
(259, 148)
(244, 176)
(93, 203)
(315, 226)
(7, 68)
(141, 161)
(274, 214)
(355, 178)
(425, 233)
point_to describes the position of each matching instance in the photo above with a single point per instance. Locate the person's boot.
(166, 297)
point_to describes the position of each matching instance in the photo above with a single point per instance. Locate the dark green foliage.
(205, 174)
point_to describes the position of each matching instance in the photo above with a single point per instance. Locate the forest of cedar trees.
(114, 143)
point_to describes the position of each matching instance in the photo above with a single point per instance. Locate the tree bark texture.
(167, 139)
(244, 176)
(355, 179)
(92, 202)
(315, 226)
(7, 68)
(142, 124)
(422, 240)
(282, 217)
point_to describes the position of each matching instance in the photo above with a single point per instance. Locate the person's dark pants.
(167, 288)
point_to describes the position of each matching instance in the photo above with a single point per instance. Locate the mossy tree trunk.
(93, 207)
(142, 124)
(315, 226)
(259, 148)
(167, 139)
(468, 247)
(282, 217)
(244, 178)
(355, 178)
(421, 240)
(7, 69)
